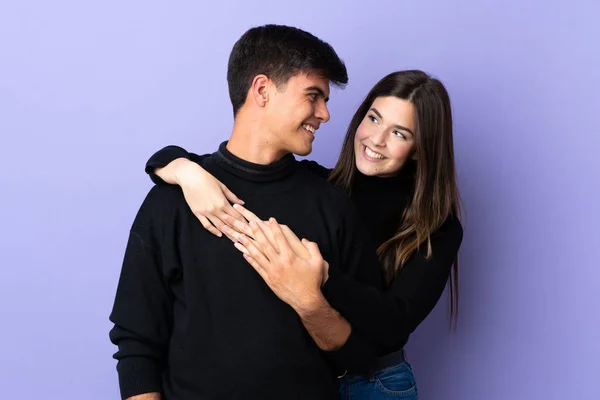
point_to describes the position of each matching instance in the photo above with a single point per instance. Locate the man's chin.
(303, 150)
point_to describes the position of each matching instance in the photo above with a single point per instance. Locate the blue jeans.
(396, 382)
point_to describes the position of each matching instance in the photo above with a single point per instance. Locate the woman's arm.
(210, 200)
(389, 317)
(298, 280)
(164, 157)
(385, 317)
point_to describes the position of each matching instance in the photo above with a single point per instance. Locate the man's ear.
(259, 90)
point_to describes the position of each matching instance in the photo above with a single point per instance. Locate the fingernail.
(239, 247)
(253, 224)
(272, 220)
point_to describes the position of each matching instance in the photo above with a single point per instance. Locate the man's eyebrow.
(402, 128)
(318, 90)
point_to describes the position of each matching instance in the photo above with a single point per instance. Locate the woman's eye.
(373, 119)
(399, 134)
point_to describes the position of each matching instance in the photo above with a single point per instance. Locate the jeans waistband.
(388, 360)
(379, 363)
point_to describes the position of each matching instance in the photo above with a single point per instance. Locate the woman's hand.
(299, 249)
(294, 279)
(208, 198)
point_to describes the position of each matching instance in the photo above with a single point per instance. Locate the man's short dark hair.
(279, 52)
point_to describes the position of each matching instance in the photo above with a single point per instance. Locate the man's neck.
(251, 142)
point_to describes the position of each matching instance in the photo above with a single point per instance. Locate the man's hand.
(295, 280)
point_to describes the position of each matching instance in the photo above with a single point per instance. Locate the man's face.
(295, 111)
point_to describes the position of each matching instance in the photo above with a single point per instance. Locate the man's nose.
(322, 112)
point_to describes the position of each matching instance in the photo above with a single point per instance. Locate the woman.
(397, 164)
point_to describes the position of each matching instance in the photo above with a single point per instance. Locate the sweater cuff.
(161, 158)
(139, 375)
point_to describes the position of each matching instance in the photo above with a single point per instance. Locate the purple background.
(88, 90)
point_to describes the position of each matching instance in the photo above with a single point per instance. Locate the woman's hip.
(394, 382)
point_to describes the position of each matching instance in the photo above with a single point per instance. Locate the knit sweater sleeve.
(389, 317)
(355, 261)
(164, 156)
(142, 310)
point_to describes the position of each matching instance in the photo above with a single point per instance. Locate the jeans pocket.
(397, 381)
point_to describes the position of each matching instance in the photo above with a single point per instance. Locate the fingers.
(266, 230)
(255, 264)
(208, 226)
(231, 196)
(241, 248)
(234, 235)
(245, 228)
(216, 221)
(250, 216)
(266, 247)
(313, 249)
(217, 226)
(254, 251)
(227, 209)
(295, 243)
(317, 259)
(231, 234)
(237, 225)
(280, 240)
(257, 267)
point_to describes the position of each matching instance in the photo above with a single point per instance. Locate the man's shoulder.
(320, 184)
(161, 194)
(160, 205)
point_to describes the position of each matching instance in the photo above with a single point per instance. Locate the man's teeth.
(372, 154)
(309, 128)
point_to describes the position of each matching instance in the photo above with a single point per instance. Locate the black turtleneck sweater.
(385, 317)
(388, 317)
(194, 321)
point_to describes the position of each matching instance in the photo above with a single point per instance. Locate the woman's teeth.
(372, 154)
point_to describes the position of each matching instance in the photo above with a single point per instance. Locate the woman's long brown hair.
(436, 194)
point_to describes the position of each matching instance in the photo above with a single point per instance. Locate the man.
(192, 319)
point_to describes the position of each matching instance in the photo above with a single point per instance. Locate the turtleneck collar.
(390, 185)
(381, 201)
(254, 172)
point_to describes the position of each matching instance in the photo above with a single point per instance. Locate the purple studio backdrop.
(89, 90)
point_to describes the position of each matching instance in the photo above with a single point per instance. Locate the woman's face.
(385, 138)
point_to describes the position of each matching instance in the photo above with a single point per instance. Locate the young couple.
(310, 287)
